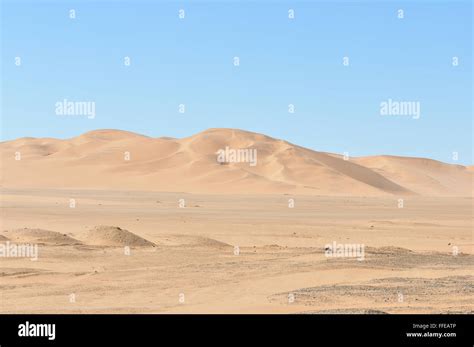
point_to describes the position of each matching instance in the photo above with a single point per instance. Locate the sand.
(281, 253)
(248, 239)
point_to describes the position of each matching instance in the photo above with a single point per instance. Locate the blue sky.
(190, 61)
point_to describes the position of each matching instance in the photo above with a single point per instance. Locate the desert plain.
(125, 223)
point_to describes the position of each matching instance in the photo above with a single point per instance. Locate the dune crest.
(122, 160)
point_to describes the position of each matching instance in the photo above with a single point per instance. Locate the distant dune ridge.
(98, 160)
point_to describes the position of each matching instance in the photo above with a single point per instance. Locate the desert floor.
(409, 265)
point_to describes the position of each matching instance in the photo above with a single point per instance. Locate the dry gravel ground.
(183, 259)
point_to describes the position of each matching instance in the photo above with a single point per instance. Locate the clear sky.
(282, 61)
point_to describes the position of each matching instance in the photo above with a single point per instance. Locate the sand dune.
(39, 236)
(111, 236)
(98, 159)
(425, 176)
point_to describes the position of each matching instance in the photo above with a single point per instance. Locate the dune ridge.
(98, 160)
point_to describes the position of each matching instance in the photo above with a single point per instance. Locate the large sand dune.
(97, 160)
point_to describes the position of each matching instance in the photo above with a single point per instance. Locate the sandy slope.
(97, 160)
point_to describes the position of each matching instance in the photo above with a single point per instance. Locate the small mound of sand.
(39, 236)
(3, 238)
(104, 235)
(193, 241)
(212, 243)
